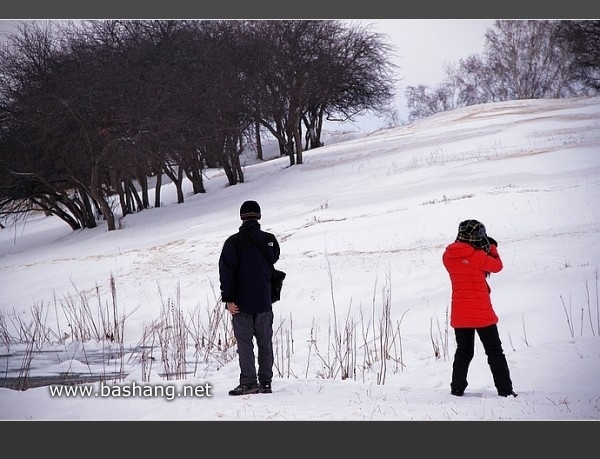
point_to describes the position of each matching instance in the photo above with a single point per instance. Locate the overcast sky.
(423, 46)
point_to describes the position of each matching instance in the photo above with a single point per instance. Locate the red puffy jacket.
(471, 306)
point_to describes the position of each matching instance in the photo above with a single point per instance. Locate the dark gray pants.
(465, 349)
(246, 327)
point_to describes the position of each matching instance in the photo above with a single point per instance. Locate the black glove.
(492, 241)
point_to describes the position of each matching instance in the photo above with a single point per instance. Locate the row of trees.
(522, 60)
(91, 110)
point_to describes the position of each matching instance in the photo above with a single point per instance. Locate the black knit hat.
(250, 210)
(473, 232)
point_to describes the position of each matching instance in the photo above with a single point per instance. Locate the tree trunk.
(298, 142)
(88, 212)
(122, 199)
(143, 181)
(157, 189)
(96, 193)
(259, 150)
(52, 209)
(133, 195)
(177, 179)
(159, 171)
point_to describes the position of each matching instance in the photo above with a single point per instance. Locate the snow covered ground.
(362, 226)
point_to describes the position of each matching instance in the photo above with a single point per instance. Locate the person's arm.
(493, 262)
(227, 266)
(276, 250)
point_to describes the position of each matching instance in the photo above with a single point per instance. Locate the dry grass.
(176, 345)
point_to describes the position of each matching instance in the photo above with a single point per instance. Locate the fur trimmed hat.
(250, 210)
(473, 232)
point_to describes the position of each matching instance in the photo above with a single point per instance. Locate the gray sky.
(6, 26)
(423, 46)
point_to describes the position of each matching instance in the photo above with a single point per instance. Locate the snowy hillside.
(362, 225)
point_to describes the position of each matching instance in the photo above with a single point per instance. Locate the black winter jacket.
(244, 274)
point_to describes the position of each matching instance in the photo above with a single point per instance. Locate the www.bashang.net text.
(132, 389)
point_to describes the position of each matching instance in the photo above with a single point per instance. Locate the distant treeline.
(526, 59)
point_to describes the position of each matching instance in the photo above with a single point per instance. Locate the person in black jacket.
(245, 278)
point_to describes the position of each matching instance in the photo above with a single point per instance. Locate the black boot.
(244, 389)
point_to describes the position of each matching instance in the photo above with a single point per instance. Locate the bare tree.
(39, 133)
(305, 70)
(582, 40)
(355, 76)
(528, 61)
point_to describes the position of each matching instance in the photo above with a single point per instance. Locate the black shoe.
(244, 389)
(507, 393)
(456, 392)
(265, 388)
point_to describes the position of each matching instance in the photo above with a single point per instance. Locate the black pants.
(465, 349)
(246, 327)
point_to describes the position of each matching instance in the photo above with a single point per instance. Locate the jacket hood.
(249, 225)
(459, 249)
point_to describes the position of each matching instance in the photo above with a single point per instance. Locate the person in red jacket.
(469, 261)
